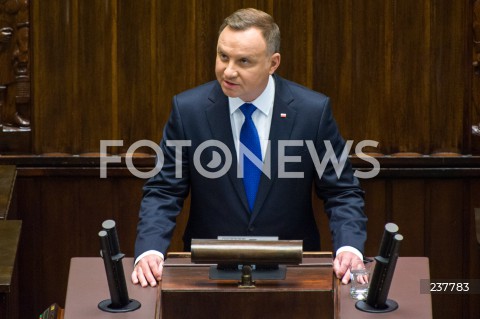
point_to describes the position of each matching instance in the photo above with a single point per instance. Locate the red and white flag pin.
(283, 115)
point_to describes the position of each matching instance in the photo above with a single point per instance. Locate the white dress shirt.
(262, 117)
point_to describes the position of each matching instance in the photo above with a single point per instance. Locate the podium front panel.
(307, 292)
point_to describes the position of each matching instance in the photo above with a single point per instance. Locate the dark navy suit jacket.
(219, 206)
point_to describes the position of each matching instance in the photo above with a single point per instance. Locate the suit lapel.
(218, 116)
(283, 119)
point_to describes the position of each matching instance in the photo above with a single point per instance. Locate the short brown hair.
(244, 19)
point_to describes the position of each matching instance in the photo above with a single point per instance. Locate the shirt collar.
(264, 102)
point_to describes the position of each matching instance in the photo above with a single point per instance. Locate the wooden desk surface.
(87, 286)
(9, 237)
(405, 290)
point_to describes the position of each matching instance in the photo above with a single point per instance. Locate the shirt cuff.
(149, 252)
(350, 249)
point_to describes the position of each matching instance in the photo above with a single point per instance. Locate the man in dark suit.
(292, 130)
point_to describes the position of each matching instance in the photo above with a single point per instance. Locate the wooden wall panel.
(332, 60)
(446, 217)
(446, 237)
(51, 76)
(92, 103)
(73, 79)
(449, 99)
(409, 212)
(397, 71)
(370, 78)
(376, 209)
(295, 20)
(350, 62)
(411, 68)
(154, 60)
(389, 76)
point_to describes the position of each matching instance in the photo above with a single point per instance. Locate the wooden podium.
(308, 291)
(87, 286)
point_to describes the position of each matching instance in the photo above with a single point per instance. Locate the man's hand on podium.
(342, 264)
(148, 271)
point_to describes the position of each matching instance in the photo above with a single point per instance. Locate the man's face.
(243, 65)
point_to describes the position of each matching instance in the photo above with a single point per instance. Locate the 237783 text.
(454, 286)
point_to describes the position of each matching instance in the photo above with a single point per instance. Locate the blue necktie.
(249, 138)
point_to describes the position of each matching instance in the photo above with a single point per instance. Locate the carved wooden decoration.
(14, 66)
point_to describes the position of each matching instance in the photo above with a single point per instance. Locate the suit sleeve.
(164, 193)
(343, 198)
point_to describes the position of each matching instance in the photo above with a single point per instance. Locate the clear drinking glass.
(359, 283)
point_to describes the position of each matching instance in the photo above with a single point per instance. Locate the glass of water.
(359, 283)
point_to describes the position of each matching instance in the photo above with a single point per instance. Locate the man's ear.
(275, 62)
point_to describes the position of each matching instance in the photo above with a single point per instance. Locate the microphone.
(112, 258)
(376, 301)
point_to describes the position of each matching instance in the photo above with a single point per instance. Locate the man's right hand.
(148, 271)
